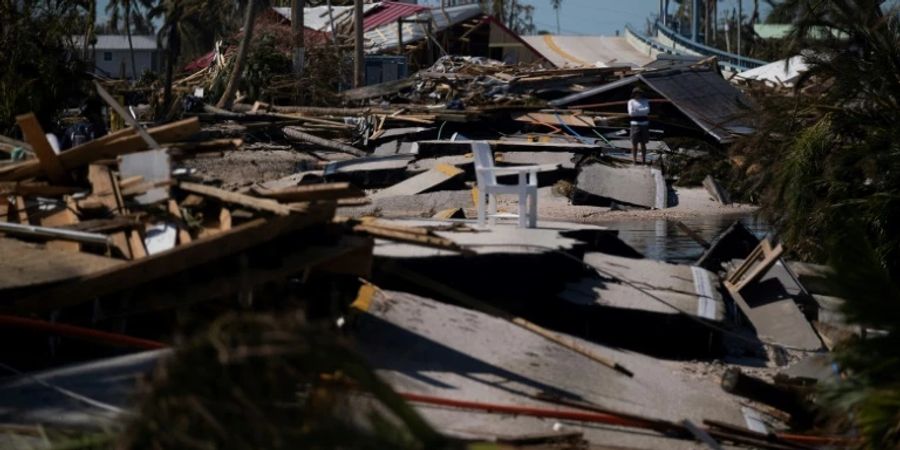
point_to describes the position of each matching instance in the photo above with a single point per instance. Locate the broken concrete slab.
(634, 185)
(440, 174)
(771, 304)
(716, 190)
(419, 205)
(449, 351)
(373, 171)
(733, 243)
(633, 283)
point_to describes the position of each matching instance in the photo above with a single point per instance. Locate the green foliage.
(871, 392)
(264, 62)
(39, 68)
(260, 382)
(827, 161)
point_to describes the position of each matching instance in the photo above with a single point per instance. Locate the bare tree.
(243, 49)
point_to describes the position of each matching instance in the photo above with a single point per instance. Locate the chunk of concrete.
(649, 285)
(634, 185)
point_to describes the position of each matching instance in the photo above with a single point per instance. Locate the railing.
(738, 62)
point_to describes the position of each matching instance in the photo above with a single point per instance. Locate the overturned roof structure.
(701, 94)
(588, 51)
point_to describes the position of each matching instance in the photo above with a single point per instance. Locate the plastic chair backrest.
(484, 159)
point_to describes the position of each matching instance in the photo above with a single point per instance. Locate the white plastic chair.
(489, 188)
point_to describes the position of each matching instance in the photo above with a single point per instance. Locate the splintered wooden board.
(24, 264)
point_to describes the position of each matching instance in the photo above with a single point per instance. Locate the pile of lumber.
(115, 219)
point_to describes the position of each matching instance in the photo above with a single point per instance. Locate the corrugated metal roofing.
(783, 72)
(317, 17)
(120, 41)
(588, 51)
(703, 96)
(389, 12)
(384, 37)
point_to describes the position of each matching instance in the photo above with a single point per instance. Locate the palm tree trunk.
(238, 67)
(89, 31)
(134, 74)
(173, 48)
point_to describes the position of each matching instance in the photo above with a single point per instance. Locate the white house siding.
(143, 60)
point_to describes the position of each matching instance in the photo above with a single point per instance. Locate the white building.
(112, 57)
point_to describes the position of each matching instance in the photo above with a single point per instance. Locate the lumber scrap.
(421, 182)
(296, 134)
(24, 265)
(235, 198)
(103, 193)
(184, 236)
(106, 147)
(48, 160)
(311, 192)
(137, 272)
(126, 116)
(62, 218)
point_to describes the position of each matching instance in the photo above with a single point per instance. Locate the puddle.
(663, 240)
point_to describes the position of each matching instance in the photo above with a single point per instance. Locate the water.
(663, 240)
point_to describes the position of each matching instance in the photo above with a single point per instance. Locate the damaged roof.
(706, 98)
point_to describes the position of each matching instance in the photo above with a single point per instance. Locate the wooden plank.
(224, 219)
(184, 236)
(109, 146)
(52, 233)
(24, 265)
(103, 192)
(60, 219)
(136, 244)
(48, 160)
(169, 262)
(311, 192)
(422, 182)
(237, 199)
(18, 212)
(120, 110)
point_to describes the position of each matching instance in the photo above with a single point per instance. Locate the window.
(107, 56)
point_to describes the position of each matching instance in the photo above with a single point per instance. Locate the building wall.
(110, 62)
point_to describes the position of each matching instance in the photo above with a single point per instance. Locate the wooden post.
(359, 65)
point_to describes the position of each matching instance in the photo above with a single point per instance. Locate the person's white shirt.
(638, 110)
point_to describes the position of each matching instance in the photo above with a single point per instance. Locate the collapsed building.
(363, 218)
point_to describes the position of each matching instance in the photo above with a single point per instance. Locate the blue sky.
(587, 17)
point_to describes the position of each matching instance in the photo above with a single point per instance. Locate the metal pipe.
(54, 233)
(89, 334)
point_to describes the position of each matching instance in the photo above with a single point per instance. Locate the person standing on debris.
(638, 110)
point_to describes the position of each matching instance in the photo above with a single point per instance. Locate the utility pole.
(298, 35)
(359, 63)
(739, 26)
(695, 20)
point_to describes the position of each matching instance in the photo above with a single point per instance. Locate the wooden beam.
(62, 218)
(109, 146)
(120, 110)
(168, 262)
(184, 236)
(312, 192)
(246, 201)
(48, 160)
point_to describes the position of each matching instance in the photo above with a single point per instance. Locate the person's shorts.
(640, 134)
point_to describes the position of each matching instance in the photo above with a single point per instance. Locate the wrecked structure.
(360, 216)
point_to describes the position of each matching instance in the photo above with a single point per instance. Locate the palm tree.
(556, 4)
(243, 49)
(130, 11)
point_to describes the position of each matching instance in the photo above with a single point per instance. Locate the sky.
(602, 17)
(587, 17)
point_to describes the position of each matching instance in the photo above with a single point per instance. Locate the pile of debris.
(144, 236)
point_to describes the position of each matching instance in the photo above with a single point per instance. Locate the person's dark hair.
(637, 93)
